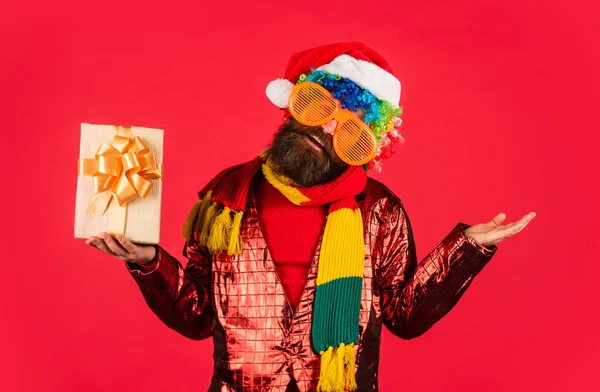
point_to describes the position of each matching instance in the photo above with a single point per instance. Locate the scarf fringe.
(219, 232)
(235, 242)
(324, 384)
(207, 221)
(204, 205)
(341, 261)
(350, 379)
(188, 225)
(338, 369)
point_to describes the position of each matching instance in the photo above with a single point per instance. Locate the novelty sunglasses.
(354, 142)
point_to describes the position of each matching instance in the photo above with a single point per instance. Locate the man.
(296, 259)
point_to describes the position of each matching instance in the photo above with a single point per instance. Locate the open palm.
(493, 232)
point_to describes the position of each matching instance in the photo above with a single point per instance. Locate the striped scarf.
(217, 216)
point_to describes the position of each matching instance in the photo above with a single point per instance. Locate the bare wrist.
(150, 257)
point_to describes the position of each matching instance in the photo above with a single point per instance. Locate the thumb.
(497, 220)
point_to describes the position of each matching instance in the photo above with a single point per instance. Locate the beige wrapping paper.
(142, 221)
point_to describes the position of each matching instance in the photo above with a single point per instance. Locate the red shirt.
(291, 233)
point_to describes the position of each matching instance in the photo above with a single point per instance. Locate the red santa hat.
(352, 60)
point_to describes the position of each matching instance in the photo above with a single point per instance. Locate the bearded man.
(297, 258)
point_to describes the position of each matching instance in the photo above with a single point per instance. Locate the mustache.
(315, 132)
(296, 160)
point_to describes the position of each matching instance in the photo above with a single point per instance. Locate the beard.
(293, 156)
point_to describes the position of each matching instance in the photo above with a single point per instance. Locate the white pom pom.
(278, 91)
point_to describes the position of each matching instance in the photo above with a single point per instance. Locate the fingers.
(519, 225)
(108, 245)
(99, 244)
(126, 244)
(525, 221)
(515, 227)
(115, 247)
(530, 216)
(497, 220)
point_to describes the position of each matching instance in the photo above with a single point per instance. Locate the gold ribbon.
(120, 172)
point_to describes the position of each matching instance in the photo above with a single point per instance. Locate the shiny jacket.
(260, 343)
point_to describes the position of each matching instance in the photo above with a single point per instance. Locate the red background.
(501, 115)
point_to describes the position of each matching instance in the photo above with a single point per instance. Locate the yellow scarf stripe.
(282, 184)
(342, 256)
(342, 240)
(339, 275)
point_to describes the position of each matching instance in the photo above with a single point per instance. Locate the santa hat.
(352, 60)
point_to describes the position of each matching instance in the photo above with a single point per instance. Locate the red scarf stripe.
(215, 180)
(351, 182)
(230, 188)
(220, 232)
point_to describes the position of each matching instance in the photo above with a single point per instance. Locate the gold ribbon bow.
(121, 172)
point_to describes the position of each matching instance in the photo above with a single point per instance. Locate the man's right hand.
(123, 249)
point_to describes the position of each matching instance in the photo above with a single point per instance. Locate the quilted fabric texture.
(260, 343)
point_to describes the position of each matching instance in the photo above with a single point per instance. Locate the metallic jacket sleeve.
(179, 296)
(415, 295)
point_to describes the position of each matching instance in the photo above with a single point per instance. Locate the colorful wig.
(380, 116)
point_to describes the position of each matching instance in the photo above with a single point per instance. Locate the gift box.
(119, 182)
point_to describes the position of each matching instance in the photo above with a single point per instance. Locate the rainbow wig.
(379, 114)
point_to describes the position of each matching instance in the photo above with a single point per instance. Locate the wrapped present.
(119, 182)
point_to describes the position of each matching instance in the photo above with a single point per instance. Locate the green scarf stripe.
(336, 313)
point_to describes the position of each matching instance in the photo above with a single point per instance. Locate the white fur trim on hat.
(278, 91)
(367, 75)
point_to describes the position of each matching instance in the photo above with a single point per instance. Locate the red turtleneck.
(291, 233)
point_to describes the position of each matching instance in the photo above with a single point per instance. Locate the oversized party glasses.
(354, 142)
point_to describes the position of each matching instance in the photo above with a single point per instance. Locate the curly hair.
(379, 114)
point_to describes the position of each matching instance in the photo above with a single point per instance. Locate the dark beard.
(293, 157)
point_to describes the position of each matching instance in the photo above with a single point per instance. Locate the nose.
(329, 127)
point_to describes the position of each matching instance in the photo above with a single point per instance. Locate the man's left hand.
(493, 232)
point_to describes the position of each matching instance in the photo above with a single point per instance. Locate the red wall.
(501, 115)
